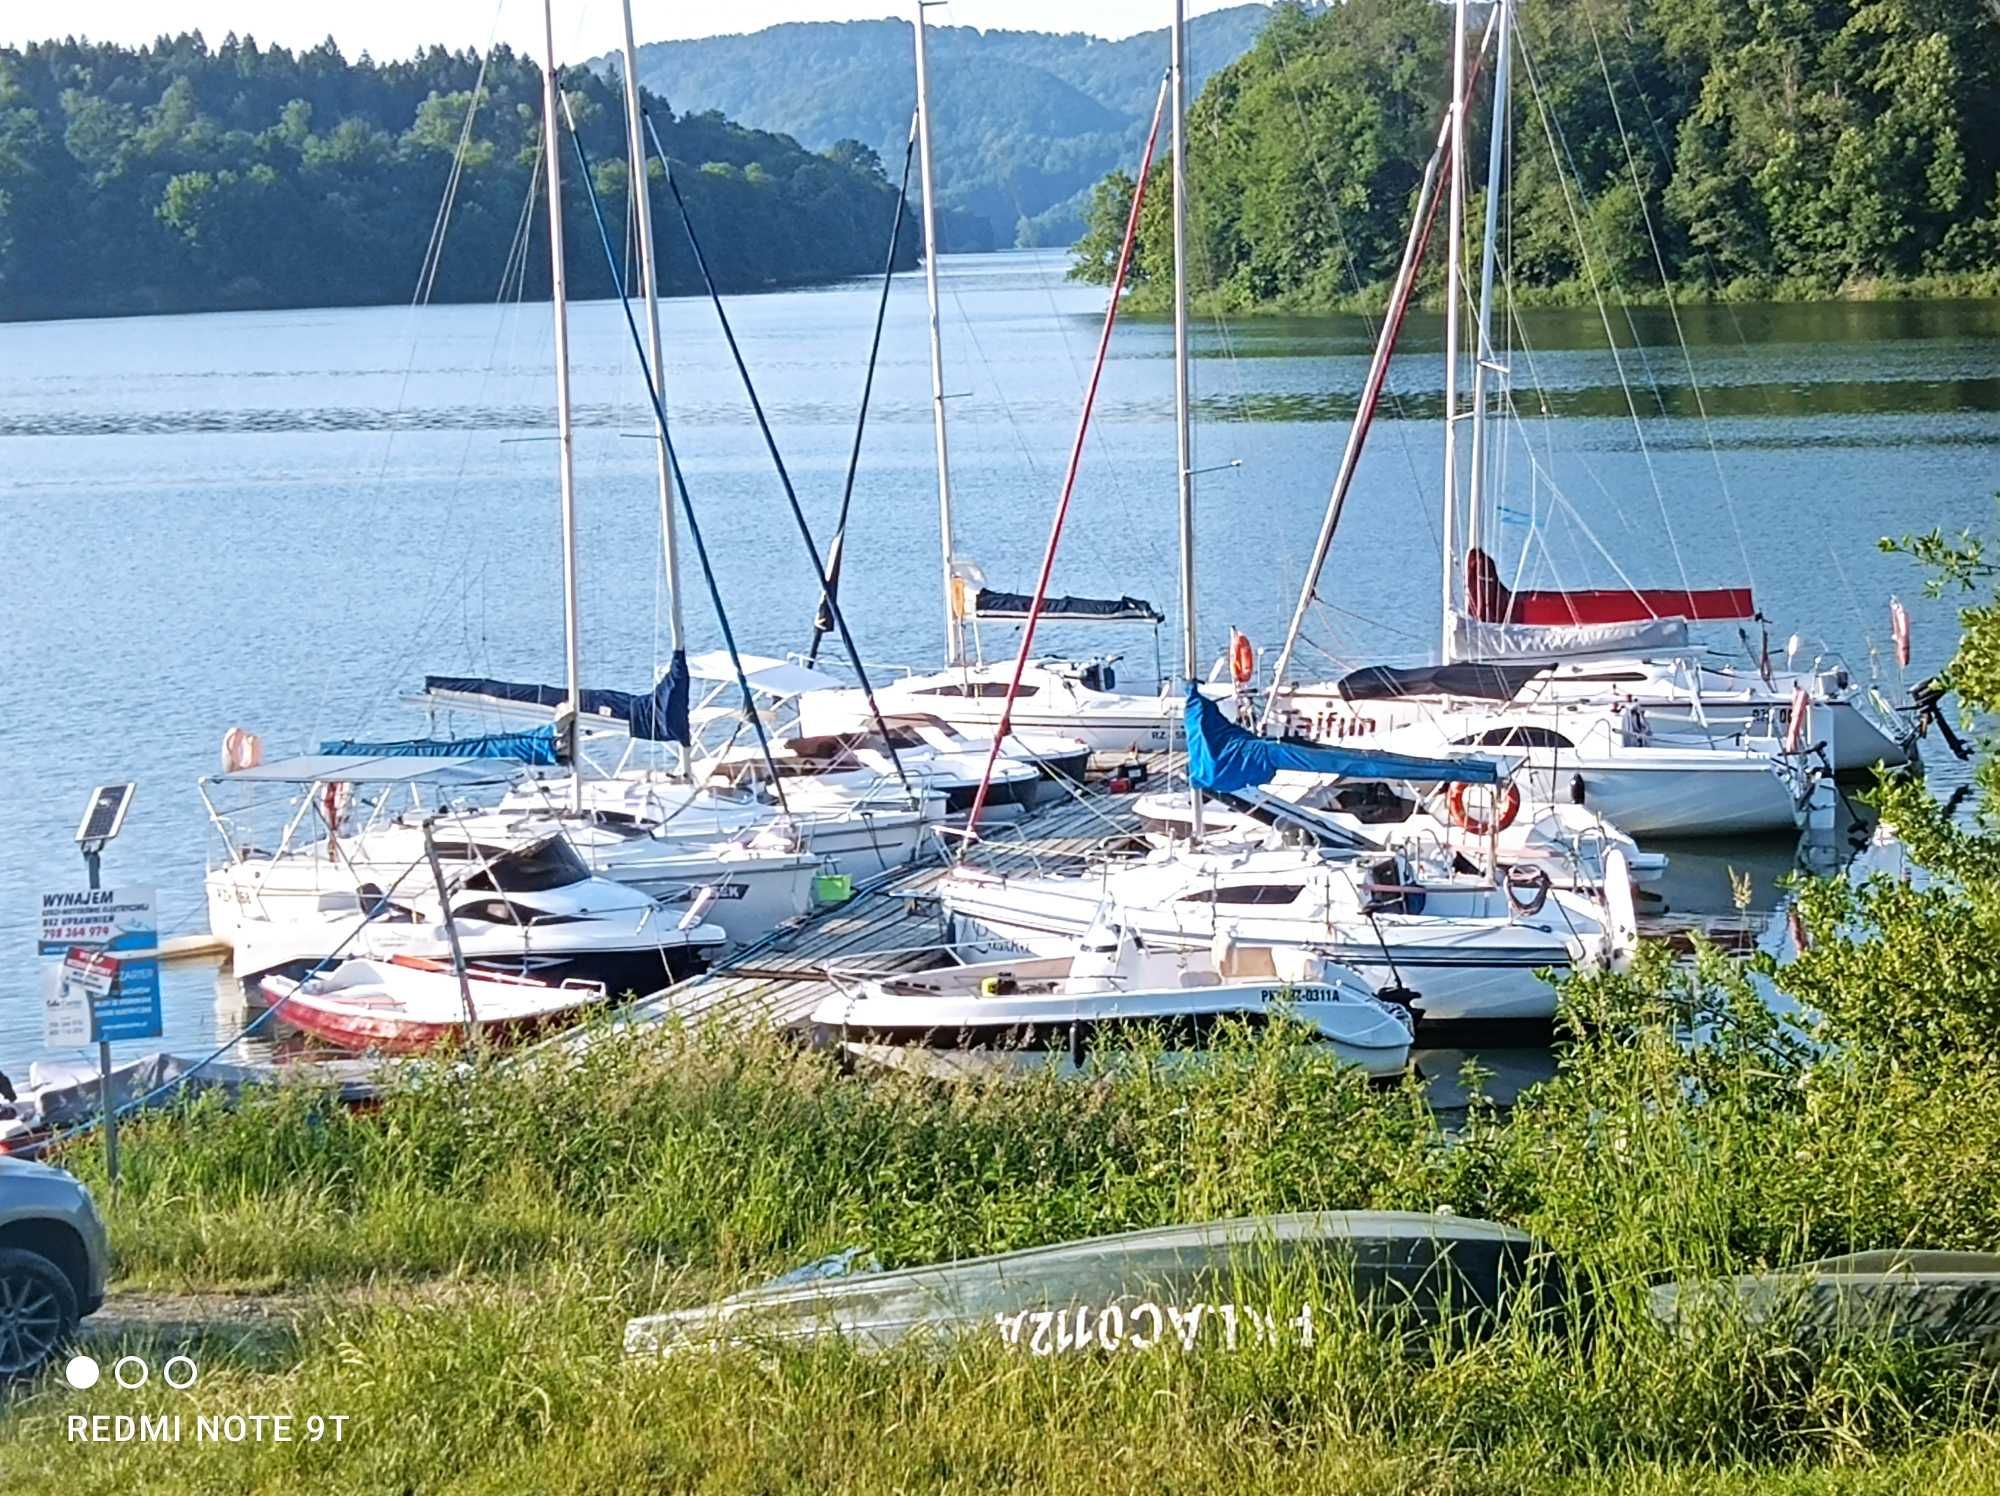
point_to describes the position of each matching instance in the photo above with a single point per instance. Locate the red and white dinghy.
(408, 1004)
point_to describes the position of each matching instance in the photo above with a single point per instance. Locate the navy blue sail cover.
(535, 747)
(1003, 606)
(659, 716)
(1223, 757)
(1481, 682)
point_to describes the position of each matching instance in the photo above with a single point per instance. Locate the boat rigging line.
(822, 619)
(651, 377)
(1552, 131)
(1005, 725)
(1430, 193)
(827, 592)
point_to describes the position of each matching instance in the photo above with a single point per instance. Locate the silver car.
(53, 1262)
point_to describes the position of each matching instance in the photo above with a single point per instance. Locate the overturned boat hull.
(1218, 1286)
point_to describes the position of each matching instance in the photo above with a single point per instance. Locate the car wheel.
(37, 1312)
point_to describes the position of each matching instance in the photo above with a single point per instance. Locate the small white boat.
(408, 1004)
(1027, 1013)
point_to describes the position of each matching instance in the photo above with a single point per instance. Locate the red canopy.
(1488, 600)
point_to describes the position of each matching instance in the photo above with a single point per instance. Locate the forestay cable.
(771, 445)
(652, 378)
(822, 619)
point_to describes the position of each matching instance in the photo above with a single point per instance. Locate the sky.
(583, 28)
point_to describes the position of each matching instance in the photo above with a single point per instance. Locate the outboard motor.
(1928, 698)
(1100, 675)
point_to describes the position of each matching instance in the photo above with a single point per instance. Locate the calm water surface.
(283, 520)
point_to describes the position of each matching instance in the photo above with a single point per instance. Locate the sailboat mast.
(1183, 442)
(635, 155)
(1483, 358)
(1454, 275)
(565, 436)
(954, 644)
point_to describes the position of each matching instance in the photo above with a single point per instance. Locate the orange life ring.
(1472, 825)
(1242, 660)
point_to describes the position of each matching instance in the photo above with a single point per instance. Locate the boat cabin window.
(549, 864)
(980, 690)
(1515, 737)
(491, 911)
(1246, 893)
(1373, 804)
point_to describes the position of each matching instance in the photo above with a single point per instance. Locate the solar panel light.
(104, 816)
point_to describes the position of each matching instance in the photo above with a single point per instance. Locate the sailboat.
(1459, 945)
(1078, 699)
(1563, 843)
(1599, 690)
(318, 898)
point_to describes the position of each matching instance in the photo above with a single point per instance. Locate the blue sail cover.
(660, 716)
(1223, 757)
(535, 748)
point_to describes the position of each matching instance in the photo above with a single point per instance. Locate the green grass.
(467, 1256)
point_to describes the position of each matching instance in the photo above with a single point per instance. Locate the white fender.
(1621, 919)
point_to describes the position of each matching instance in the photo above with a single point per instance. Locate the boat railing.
(993, 831)
(889, 668)
(900, 961)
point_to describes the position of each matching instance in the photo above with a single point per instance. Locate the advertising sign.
(77, 925)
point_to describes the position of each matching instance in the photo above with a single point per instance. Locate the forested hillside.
(1024, 122)
(1776, 149)
(180, 177)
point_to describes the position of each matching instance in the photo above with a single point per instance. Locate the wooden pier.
(891, 923)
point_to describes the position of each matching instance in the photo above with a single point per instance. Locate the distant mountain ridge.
(1024, 122)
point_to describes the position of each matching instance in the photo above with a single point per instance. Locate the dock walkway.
(891, 922)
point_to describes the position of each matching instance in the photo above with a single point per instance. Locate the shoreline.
(1150, 301)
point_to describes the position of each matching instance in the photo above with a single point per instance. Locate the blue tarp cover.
(660, 716)
(535, 747)
(1223, 757)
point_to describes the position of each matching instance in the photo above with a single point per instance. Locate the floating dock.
(892, 923)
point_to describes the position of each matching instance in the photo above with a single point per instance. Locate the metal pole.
(1183, 437)
(1482, 353)
(451, 933)
(954, 643)
(92, 866)
(635, 154)
(565, 438)
(1454, 253)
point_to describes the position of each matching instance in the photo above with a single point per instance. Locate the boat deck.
(891, 923)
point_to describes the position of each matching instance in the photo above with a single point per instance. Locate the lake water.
(284, 519)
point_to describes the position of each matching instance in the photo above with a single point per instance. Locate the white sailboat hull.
(1460, 968)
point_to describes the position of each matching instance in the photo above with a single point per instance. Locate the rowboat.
(409, 1004)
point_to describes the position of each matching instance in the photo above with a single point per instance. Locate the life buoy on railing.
(241, 750)
(1527, 888)
(1242, 659)
(1472, 825)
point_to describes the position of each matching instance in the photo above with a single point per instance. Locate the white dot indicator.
(81, 1373)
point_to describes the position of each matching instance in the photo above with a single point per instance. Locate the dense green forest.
(1024, 122)
(180, 177)
(1787, 148)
